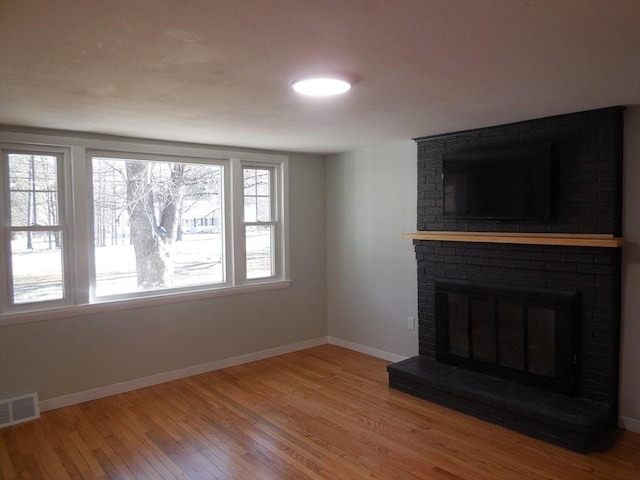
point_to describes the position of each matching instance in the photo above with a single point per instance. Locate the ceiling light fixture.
(321, 86)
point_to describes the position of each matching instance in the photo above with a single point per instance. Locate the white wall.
(630, 343)
(371, 282)
(61, 357)
(371, 199)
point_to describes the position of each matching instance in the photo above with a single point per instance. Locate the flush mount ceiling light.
(321, 86)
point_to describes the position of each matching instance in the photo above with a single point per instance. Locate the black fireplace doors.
(525, 335)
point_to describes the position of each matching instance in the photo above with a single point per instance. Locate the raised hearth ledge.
(568, 239)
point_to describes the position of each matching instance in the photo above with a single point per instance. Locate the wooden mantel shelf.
(567, 239)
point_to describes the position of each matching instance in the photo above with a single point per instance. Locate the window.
(35, 234)
(153, 225)
(258, 220)
(147, 223)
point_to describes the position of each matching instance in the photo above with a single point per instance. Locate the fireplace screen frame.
(564, 306)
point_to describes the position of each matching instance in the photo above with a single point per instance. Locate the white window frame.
(116, 155)
(277, 214)
(75, 188)
(64, 200)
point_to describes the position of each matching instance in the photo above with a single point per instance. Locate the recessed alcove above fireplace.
(564, 390)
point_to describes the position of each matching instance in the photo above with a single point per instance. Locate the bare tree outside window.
(143, 217)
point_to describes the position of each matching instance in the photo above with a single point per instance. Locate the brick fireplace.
(572, 411)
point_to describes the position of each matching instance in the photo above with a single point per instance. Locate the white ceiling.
(219, 71)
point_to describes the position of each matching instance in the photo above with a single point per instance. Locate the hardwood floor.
(323, 413)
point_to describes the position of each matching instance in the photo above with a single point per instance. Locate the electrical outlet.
(411, 323)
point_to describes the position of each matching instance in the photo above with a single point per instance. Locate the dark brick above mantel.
(587, 153)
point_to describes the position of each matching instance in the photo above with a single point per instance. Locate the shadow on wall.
(630, 254)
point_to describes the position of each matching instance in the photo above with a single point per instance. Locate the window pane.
(257, 195)
(250, 214)
(249, 176)
(36, 260)
(33, 189)
(263, 209)
(263, 186)
(21, 213)
(157, 225)
(259, 249)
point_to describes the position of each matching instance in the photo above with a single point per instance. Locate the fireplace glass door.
(524, 335)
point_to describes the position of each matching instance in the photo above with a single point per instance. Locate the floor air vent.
(19, 409)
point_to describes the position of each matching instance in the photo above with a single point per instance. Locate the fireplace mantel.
(567, 239)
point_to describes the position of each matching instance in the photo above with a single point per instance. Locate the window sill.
(7, 319)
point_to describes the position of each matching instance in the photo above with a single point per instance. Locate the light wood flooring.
(322, 413)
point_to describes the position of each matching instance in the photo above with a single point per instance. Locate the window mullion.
(78, 192)
(229, 223)
(5, 236)
(237, 205)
